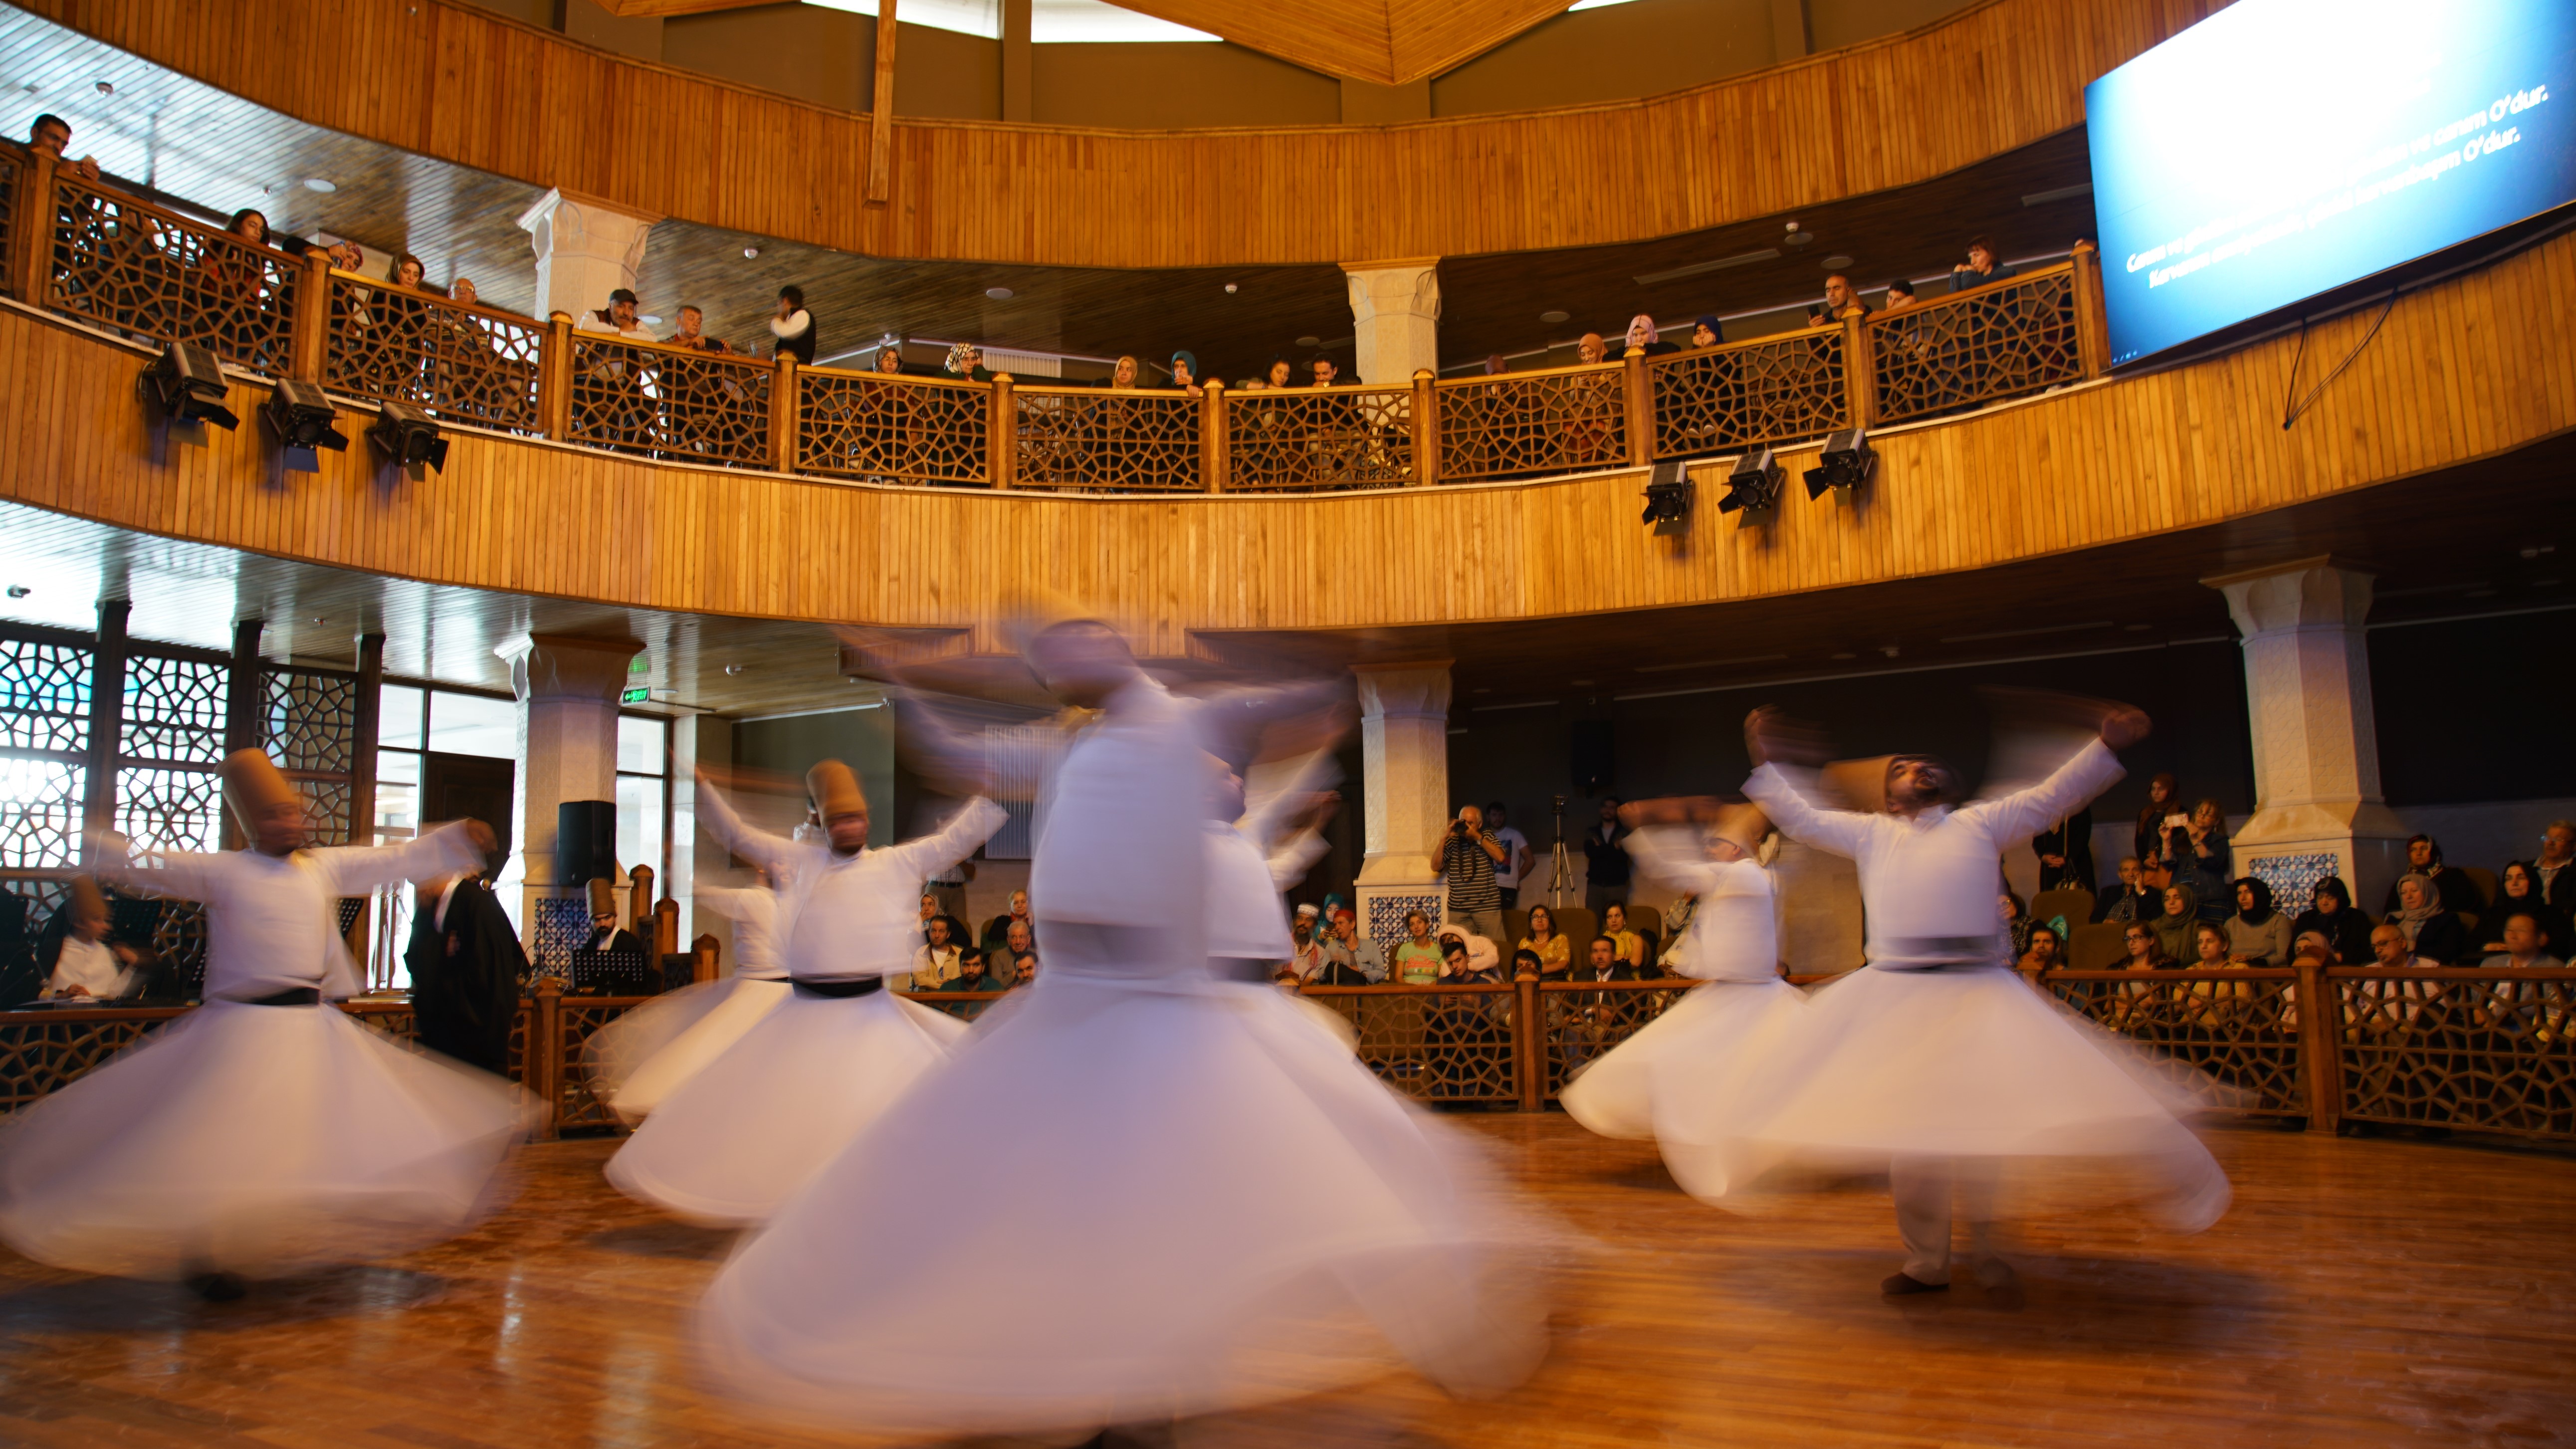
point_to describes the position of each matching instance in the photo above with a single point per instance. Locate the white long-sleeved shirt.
(272, 923)
(843, 917)
(92, 966)
(1928, 882)
(754, 910)
(1251, 862)
(1734, 932)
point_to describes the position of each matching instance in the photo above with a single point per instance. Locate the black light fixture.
(1668, 497)
(301, 415)
(1753, 488)
(190, 386)
(1848, 463)
(408, 436)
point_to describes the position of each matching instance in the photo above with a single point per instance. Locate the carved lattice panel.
(44, 895)
(133, 267)
(13, 179)
(1126, 442)
(174, 709)
(44, 696)
(2240, 1028)
(2489, 1054)
(1555, 422)
(400, 1025)
(1319, 439)
(683, 406)
(170, 809)
(581, 1105)
(458, 362)
(40, 813)
(1584, 1026)
(562, 925)
(889, 429)
(312, 722)
(179, 939)
(1439, 1046)
(1766, 392)
(41, 1052)
(1982, 345)
(518, 1058)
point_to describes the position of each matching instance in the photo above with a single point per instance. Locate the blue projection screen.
(2282, 148)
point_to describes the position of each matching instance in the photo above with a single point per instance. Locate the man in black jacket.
(466, 965)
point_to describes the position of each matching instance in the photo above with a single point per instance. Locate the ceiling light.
(1229, 289)
(998, 294)
(1553, 317)
(320, 185)
(1797, 238)
(1837, 263)
(750, 252)
(648, 318)
(19, 591)
(106, 89)
(1310, 341)
(733, 670)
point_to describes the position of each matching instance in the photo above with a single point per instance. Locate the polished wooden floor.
(2360, 1292)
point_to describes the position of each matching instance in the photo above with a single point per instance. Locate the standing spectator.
(1606, 866)
(2518, 889)
(1842, 299)
(2196, 853)
(1981, 267)
(693, 335)
(1466, 861)
(1900, 295)
(1516, 855)
(2161, 812)
(1707, 332)
(2346, 931)
(966, 364)
(1590, 349)
(2257, 935)
(2065, 852)
(49, 136)
(1417, 956)
(2451, 889)
(794, 327)
(889, 363)
(1323, 371)
(1123, 374)
(618, 317)
(1644, 338)
(2431, 931)
(1548, 944)
(2557, 853)
(2135, 900)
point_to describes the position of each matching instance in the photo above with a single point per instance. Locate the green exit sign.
(637, 695)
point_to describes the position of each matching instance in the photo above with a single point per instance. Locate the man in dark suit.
(466, 965)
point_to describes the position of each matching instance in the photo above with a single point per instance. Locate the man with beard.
(466, 965)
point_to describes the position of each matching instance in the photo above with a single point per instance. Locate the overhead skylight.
(966, 17)
(1051, 22)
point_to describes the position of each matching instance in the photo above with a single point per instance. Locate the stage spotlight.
(1848, 461)
(1753, 488)
(301, 416)
(1668, 498)
(408, 436)
(190, 386)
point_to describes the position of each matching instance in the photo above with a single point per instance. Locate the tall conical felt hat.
(253, 783)
(1742, 826)
(834, 789)
(87, 898)
(603, 898)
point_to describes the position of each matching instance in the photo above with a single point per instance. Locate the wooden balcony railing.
(125, 265)
(2464, 1048)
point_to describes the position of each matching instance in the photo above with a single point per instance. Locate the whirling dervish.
(728, 1144)
(1661, 1082)
(645, 1055)
(1171, 1202)
(264, 1133)
(1935, 1063)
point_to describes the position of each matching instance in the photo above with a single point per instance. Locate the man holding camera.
(1466, 861)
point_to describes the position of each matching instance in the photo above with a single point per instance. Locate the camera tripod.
(1560, 870)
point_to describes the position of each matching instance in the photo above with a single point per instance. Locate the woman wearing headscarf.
(2347, 931)
(2432, 932)
(2164, 799)
(2174, 928)
(1185, 373)
(2257, 935)
(1124, 374)
(966, 364)
(2518, 893)
(1644, 336)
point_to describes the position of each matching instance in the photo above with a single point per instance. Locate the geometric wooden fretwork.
(1126, 442)
(1584, 1026)
(40, 1056)
(687, 407)
(460, 363)
(1974, 348)
(174, 710)
(1436, 1046)
(2239, 1028)
(2489, 1054)
(888, 429)
(138, 269)
(1498, 427)
(1311, 439)
(1769, 392)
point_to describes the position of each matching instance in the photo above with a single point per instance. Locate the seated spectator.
(1185, 374)
(50, 135)
(2134, 900)
(2313, 948)
(1482, 954)
(1643, 337)
(970, 972)
(2526, 943)
(2518, 889)
(1496, 364)
(1900, 295)
(1308, 957)
(936, 960)
(2174, 928)
(2209, 946)
(1602, 962)
(1280, 375)
(1123, 374)
(2453, 890)
(1677, 920)
(795, 329)
(965, 364)
(1842, 299)
(1459, 964)
(1417, 956)
(348, 256)
(2431, 931)
(692, 334)
(2044, 953)
(889, 359)
(88, 966)
(2016, 920)
(1525, 962)
(1351, 959)
(1981, 267)
(462, 291)
(1321, 371)
(2146, 949)
(1631, 946)
(997, 931)
(928, 912)
(2557, 853)
(2257, 935)
(2347, 931)
(1024, 970)
(618, 317)
(1707, 332)
(2388, 947)
(1589, 349)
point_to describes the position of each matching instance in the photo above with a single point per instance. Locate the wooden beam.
(881, 110)
(1018, 63)
(648, 9)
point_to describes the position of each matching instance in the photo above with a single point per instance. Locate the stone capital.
(1408, 288)
(1404, 691)
(2307, 593)
(570, 223)
(549, 668)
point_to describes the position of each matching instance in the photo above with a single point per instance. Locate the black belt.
(291, 996)
(837, 990)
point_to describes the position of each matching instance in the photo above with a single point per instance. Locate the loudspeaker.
(1592, 756)
(585, 842)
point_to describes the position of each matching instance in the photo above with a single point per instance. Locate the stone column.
(586, 248)
(567, 691)
(2318, 809)
(1395, 317)
(1404, 765)
(696, 859)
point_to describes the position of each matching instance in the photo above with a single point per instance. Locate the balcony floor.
(2360, 1292)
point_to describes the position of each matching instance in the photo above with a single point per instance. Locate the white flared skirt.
(732, 1007)
(731, 1142)
(1662, 1082)
(1961, 1065)
(257, 1140)
(1121, 1204)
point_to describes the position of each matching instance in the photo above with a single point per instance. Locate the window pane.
(40, 813)
(639, 826)
(398, 792)
(642, 744)
(398, 718)
(469, 724)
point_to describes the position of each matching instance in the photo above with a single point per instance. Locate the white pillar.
(567, 691)
(2317, 809)
(1395, 318)
(586, 248)
(697, 859)
(1404, 765)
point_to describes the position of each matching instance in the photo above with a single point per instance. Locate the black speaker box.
(1593, 757)
(585, 842)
